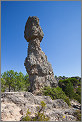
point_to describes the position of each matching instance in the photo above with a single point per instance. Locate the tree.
(3, 87)
(14, 81)
(26, 81)
(55, 77)
(9, 78)
(69, 90)
(14, 84)
(74, 81)
(67, 87)
(19, 81)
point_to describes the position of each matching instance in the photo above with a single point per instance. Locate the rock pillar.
(36, 63)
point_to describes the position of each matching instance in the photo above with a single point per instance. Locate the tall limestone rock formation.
(36, 63)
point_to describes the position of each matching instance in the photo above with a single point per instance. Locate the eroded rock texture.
(36, 63)
(14, 106)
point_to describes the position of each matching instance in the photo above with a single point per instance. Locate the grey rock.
(33, 29)
(70, 111)
(56, 110)
(75, 104)
(29, 96)
(46, 99)
(59, 103)
(70, 118)
(36, 63)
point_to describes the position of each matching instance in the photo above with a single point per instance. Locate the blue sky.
(61, 24)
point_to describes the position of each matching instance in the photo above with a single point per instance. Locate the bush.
(39, 116)
(3, 85)
(56, 93)
(69, 90)
(68, 86)
(77, 114)
(72, 88)
(27, 117)
(78, 90)
(77, 97)
(74, 81)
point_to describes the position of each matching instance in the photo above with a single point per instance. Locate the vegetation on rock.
(68, 88)
(72, 88)
(77, 114)
(56, 93)
(39, 116)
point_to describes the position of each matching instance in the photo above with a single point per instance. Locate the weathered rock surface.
(36, 63)
(10, 111)
(76, 104)
(14, 106)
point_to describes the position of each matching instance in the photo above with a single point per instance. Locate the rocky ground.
(14, 106)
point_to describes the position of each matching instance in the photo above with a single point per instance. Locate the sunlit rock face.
(36, 63)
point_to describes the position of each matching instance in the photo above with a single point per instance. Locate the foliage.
(78, 90)
(14, 81)
(63, 83)
(71, 87)
(74, 81)
(69, 90)
(39, 116)
(9, 78)
(77, 114)
(77, 97)
(2, 85)
(56, 93)
(27, 117)
(19, 81)
(55, 76)
(26, 82)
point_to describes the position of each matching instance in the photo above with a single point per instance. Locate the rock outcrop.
(14, 106)
(36, 63)
(75, 104)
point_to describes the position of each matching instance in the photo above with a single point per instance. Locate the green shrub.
(56, 93)
(3, 87)
(27, 117)
(72, 88)
(78, 90)
(69, 90)
(77, 97)
(69, 86)
(77, 114)
(74, 81)
(39, 116)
